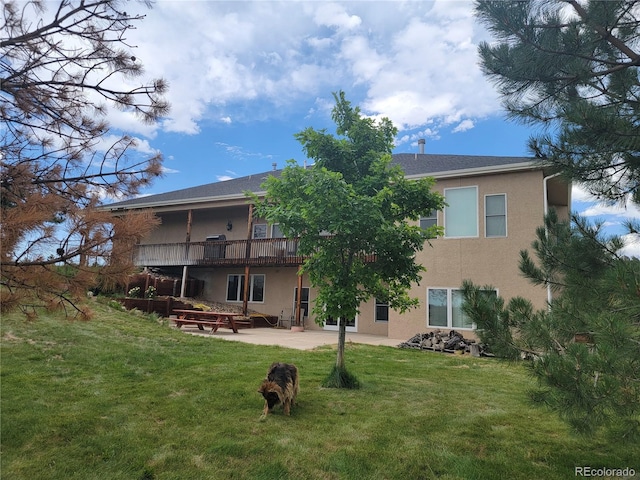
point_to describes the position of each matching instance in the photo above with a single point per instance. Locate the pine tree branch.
(606, 34)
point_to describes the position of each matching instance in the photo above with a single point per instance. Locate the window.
(461, 212)
(276, 232)
(259, 230)
(495, 211)
(430, 220)
(382, 311)
(304, 301)
(235, 288)
(444, 308)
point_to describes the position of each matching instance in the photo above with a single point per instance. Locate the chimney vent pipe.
(421, 143)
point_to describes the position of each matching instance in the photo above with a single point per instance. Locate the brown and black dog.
(280, 387)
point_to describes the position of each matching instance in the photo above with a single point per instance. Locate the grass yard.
(125, 396)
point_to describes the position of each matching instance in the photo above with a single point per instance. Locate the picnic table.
(203, 319)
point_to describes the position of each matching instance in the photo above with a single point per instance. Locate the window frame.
(304, 304)
(475, 216)
(432, 217)
(450, 308)
(276, 232)
(379, 304)
(239, 294)
(486, 215)
(255, 228)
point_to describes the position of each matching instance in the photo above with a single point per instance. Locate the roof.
(414, 166)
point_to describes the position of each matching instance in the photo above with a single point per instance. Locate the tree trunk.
(342, 334)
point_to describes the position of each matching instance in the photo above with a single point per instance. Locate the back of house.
(494, 206)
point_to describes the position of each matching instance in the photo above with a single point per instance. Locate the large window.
(495, 211)
(461, 212)
(444, 308)
(235, 288)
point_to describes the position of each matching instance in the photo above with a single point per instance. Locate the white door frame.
(352, 329)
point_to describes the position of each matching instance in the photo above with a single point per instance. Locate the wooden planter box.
(162, 305)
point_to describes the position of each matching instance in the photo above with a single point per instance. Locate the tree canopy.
(355, 215)
(63, 66)
(572, 67)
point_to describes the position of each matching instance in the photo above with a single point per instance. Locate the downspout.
(546, 211)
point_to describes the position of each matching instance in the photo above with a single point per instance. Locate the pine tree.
(571, 67)
(586, 346)
(58, 76)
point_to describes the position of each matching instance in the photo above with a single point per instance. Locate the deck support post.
(185, 276)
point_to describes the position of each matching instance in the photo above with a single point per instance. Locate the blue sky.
(245, 76)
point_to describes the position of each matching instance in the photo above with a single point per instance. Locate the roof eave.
(469, 172)
(172, 203)
(472, 172)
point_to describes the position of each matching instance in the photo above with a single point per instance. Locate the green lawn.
(127, 397)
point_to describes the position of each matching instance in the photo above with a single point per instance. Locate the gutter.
(470, 172)
(171, 203)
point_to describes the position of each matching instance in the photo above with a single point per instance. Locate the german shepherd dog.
(280, 387)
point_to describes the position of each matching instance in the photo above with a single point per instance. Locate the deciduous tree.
(355, 215)
(63, 66)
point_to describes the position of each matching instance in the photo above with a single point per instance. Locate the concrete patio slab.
(307, 340)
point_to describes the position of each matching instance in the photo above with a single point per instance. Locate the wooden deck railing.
(263, 251)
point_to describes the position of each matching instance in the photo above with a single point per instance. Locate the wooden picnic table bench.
(203, 319)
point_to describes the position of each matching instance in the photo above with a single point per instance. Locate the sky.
(245, 76)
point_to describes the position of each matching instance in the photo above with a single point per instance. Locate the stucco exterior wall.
(485, 261)
(204, 222)
(280, 284)
(448, 261)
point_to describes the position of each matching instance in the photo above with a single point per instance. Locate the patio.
(307, 340)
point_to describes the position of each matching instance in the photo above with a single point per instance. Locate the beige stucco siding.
(485, 261)
(280, 284)
(204, 222)
(448, 261)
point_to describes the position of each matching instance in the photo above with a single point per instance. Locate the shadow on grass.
(341, 378)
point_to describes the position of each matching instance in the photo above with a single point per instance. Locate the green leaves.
(352, 211)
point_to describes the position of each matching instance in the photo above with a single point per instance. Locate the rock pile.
(449, 342)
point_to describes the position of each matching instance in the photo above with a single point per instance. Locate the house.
(494, 206)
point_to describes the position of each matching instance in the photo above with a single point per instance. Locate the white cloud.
(629, 211)
(464, 126)
(166, 170)
(612, 216)
(425, 134)
(335, 15)
(139, 145)
(632, 245)
(414, 62)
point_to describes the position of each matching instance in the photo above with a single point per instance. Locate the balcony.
(228, 253)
